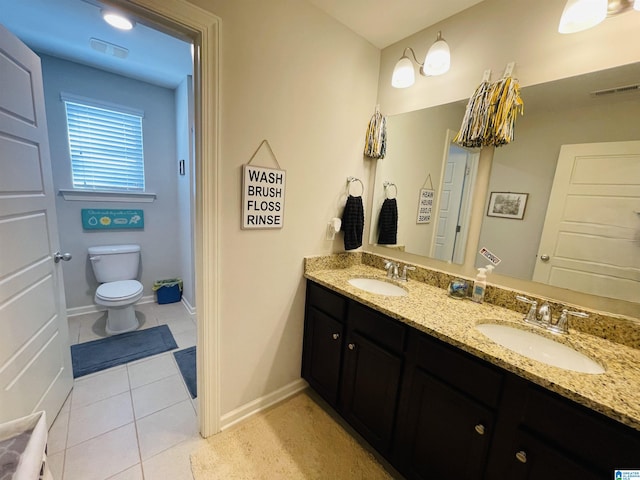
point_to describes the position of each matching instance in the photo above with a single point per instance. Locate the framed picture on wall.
(507, 205)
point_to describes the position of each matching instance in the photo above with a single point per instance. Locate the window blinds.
(106, 148)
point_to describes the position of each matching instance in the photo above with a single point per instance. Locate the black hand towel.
(353, 223)
(388, 222)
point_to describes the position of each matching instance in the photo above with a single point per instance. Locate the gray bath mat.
(91, 357)
(186, 360)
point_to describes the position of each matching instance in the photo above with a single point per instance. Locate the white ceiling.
(63, 28)
(384, 22)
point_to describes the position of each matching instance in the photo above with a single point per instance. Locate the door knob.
(61, 256)
(480, 429)
(335, 336)
(352, 346)
(544, 258)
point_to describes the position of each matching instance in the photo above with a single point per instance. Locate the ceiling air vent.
(108, 48)
(611, 91)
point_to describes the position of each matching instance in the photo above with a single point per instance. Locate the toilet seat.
(120, 292)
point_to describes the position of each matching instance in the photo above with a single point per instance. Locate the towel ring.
(388, 185)
(350, 180)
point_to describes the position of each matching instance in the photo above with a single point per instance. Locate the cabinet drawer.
(325, 300)
(581, 432)
(383, 330)
(463, 372)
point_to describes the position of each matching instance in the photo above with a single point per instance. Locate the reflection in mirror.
(562, 112)
(594, 190)
(420, 156)
(454, 202)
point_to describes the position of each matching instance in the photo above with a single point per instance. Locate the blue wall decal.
(105, 219)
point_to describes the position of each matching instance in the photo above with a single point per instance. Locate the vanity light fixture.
(436, 62)
(403, 73)
(580, 15)
(438, 59)
(117, 20)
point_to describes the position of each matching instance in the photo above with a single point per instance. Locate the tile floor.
(131, 422)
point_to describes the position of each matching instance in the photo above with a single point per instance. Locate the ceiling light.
(438, 59)
(117, 20)
(580, 15)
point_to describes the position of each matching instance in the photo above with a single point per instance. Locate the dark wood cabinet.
(543, 436)
(323, 341)
(435, 411)
(323, 345)
(447, 412)
(372, 372)
(353, 357)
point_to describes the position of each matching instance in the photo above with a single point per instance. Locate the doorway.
(459, 168)
(190, 21)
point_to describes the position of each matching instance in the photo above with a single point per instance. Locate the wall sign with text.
(109, 219)
(262, 197)
(425, 205)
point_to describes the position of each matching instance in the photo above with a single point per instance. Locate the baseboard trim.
(72, 312)
(241, 413)
(187, 305)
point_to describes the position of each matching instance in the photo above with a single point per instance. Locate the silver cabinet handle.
(521, 456)
(480, 429)
(61, 256)
(544, 258)
(335, 336)
(352, 346)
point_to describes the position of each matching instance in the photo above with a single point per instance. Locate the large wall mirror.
(601, 109)
(421, 156)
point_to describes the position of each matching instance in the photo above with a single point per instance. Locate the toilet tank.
(115, 262)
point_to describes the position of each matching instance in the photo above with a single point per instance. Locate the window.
(105, 143)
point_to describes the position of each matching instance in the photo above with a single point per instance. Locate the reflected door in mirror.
(591, 228)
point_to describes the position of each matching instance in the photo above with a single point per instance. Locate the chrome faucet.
(562, 325)
(392, 269)
(403, 277)
(532, 314)
(541, 317)
(544, 315)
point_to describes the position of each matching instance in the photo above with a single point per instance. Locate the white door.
(35, 359)
(449, 204)
(591, 236)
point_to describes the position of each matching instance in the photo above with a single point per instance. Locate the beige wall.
(294, 76)
(489, 35)
(419, 149)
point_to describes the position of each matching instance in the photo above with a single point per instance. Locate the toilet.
(116, 268)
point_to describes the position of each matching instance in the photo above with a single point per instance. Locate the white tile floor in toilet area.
(131, 422)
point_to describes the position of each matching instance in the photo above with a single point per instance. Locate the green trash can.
(168, 291)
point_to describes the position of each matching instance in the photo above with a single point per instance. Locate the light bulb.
(438, 59)
(580, 15)
(117, 20)
(403, 73)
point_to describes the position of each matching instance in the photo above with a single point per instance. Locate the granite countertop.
(615, 393)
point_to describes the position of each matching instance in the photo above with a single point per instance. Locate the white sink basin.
(540, 348)
(379, 287)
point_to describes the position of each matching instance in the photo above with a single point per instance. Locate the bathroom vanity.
(436, 398)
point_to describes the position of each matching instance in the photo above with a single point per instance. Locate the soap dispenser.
(480, 284)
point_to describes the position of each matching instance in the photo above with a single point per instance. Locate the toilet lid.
(119, 290)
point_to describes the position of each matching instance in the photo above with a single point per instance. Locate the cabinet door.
(322, 353)
(370, 389)
(534, 459)
(444, 434)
